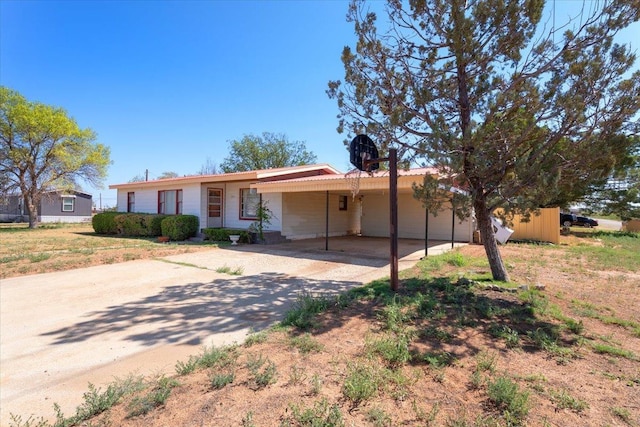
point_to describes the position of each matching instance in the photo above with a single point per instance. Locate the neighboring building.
(11, 209)
(55, 206)
(306, 201)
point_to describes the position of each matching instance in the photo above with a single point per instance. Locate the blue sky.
(166, 84)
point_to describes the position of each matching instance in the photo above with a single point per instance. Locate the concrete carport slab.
(60, 331)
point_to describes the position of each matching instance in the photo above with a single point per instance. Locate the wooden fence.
(633, 225)
(544, 227)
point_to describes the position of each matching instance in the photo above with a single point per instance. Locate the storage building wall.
(411, 219)
(304, 215)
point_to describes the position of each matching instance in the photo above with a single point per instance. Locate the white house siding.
(304, 215)
(411, 219)
(147, 199)
(190, 201)
(231, 208)
(355, 214)
(274, 203)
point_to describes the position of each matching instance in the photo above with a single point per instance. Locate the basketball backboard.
(362, 148)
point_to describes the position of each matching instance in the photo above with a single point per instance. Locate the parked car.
(567, 219)
(584, 221)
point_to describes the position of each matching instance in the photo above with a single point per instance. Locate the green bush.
(222, 234)
(180, 227)
(155, 226)
(131, 224)
(103, 223)
(128, 224)
(138, 224)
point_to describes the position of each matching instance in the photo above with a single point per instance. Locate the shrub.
(222, 234)
(138, 224)
(130, 224)
(103, 223)
(155, 225)
(180, 227)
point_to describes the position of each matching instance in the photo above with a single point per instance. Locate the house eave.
(255, 175)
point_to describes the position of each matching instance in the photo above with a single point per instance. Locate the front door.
(214, 208)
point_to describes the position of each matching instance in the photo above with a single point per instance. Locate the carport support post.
(326, 223)
(393, 202)
(453, 222)
(426, 232)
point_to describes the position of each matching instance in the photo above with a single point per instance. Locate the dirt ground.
(589, 388)
(586, 389)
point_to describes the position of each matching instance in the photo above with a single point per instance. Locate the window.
(249, 202)
(170, 202)
(68, 203)
(131, 201)
(342, 203)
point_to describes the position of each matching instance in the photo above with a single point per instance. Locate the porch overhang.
(379, 181)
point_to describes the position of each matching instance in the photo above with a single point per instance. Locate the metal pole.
(393, 202)
(453, 222)
(326, 224)
(426, 232)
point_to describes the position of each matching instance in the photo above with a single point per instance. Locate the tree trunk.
(32, 211)
(489, 241)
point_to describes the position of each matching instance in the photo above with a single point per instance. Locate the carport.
(323, 207)
(354, 250)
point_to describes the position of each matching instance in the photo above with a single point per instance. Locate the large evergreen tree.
(505, 104)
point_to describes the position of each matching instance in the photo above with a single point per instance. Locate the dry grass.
(69, 246)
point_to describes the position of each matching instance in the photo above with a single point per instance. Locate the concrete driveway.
(60, 331)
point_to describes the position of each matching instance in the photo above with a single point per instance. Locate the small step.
(272, 238)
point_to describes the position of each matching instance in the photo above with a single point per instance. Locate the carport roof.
(379, 180)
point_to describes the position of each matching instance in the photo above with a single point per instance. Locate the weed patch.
(321, 414)
(613, 351)
(378, 417)
(228, 270)
(155, 397)
(361, 383)
(305, 343)
(220, 380)
(256, 338)
(506, 396)
(304, 310)
(623, 414)
(263, 372)
(393, 350)
(563, 400)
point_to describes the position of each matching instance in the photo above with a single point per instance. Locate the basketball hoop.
(354, 175)
(363, 154)
(353, 179)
